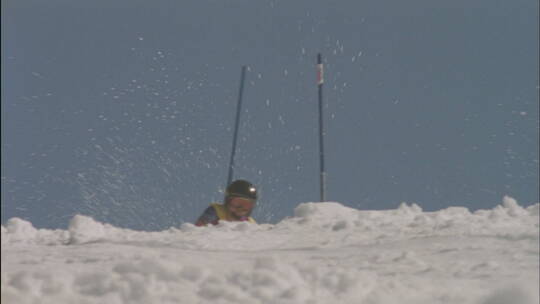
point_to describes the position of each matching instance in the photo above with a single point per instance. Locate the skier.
(240, 199)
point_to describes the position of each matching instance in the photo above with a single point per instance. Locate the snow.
(325, 253)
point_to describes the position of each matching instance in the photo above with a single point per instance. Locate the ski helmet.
(241, 188)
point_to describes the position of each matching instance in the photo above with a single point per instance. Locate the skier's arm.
(209, 216)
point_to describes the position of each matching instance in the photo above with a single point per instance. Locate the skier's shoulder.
(209, 216)
(212, 210)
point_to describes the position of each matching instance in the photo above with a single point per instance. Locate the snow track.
(326, 253)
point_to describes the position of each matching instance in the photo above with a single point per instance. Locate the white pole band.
(320, 77)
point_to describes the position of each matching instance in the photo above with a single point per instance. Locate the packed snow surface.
(325, 253)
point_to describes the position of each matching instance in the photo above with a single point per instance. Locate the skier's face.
(240, 207)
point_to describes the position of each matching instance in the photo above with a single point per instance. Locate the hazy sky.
(125, 111)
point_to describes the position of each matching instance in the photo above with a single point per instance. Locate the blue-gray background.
(124, 111)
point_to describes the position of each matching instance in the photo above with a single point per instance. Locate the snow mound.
(19, 231)
(319, 211)
(325, 253)
(84, 229)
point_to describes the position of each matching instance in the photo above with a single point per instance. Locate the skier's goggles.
(241, 202)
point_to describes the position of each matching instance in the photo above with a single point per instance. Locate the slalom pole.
(237, 122)
(320, 81)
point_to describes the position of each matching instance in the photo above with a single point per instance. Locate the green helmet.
(241, 188)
